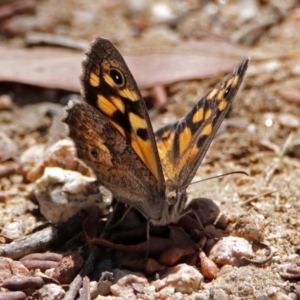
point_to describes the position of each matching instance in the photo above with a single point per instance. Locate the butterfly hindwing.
(184, 144)
(106, 151)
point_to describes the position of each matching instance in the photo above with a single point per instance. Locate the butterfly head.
(175, 196)
(174, 205)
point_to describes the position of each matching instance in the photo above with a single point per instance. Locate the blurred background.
(164, 42)
(177, 50)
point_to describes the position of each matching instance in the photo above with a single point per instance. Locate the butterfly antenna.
(219, 176)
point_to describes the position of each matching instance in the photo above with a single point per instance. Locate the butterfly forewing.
(184, 144)
(109, 86)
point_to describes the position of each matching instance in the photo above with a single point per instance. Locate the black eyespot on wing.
(117, 77)
(94, 152)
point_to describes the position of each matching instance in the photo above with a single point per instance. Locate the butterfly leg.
(196, 215)
(198, 219)
(115, 219)
(148, 238)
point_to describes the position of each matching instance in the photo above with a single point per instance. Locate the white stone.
(229, 250)
(183, 278)
(62, 193)
(51, 292)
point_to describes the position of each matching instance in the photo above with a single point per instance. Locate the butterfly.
(113, 135)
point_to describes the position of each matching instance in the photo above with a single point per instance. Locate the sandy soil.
(260, 135)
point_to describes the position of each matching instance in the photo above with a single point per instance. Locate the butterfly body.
(113, 135)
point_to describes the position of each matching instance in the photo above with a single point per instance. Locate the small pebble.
(229, 250)
(51, 291)
(68, 268)
(5, 102)
(248, 9)
(288, 120)
(250, 226)
(125, 285)
(14, 230)
(207, 267)
(162, 12)
(8, 148)
(183, 278)
(290, 94)
(11, 267)
(220, 294)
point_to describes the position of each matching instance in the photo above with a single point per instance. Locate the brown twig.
(261, 261)
(256, 197)
(278, 161)
(42, 240)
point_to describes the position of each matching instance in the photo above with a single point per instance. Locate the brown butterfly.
(113, 135)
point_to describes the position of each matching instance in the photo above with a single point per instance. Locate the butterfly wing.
(183, 145)
(113, 132)
(106, 151)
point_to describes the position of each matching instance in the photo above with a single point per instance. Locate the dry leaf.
(60, 68)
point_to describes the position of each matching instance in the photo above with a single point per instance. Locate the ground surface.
(260, 135)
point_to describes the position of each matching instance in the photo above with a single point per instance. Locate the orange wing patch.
(94, 79)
